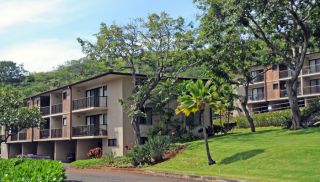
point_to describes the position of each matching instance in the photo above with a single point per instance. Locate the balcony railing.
(259, 78)
(19, 136)
(283, 92)
(22, 136)
(89, 130)
(285, 73)
(45, 110)
(311, 89)
(311, 69)
(89, 102)
(56, 133)
(44, 133)
(55, 109)
(256, 97)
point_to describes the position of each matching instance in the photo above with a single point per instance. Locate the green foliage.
(13, 115)
(312, 108)
(184, 137)
(157, 146)
(31, 170)
(140, 155)
(11, 73)
(110, 161)
(275, 118)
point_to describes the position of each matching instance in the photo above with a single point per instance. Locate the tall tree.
(194, 100)
(232, 51)
(289, 28)
(14, 117)
(153, 47)
(11, 73)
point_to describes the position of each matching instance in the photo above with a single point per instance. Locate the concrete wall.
(29, 148)
(4, 151)
(46, 148)
(115, 116)
(63, 148)
(83, 146)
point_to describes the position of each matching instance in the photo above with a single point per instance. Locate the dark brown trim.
(70, 88)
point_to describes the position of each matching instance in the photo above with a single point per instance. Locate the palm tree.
(194, 100)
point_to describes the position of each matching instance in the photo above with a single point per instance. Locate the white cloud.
(14, 12)
(42, 55)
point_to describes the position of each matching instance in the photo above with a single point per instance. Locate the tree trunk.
(228, 119)
(292, 87)
(136, 131)
(205, 137)
(244, 103)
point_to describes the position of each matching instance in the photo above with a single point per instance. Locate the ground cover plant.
(21, 169)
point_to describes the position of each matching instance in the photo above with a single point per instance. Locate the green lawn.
(270, 154)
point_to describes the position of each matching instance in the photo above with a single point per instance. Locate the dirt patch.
(172, 153)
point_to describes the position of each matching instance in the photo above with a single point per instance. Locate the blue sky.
(41, 34)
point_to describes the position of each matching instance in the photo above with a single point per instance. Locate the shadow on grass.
(241, 156)
(305, 131)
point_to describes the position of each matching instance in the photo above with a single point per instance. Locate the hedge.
(21, 169)
(275, 118)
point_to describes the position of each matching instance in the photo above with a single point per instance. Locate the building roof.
(95, 77)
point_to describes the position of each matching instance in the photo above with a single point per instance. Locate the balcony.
(256, 97)
(19, 136)
(311, 69)
(285, 73)
(89, 130)
(44, 133)
(56, 133)
(89, 102)
(283, 92)
(311, 90)
(56, 109)
(259, 78)
(45, 110)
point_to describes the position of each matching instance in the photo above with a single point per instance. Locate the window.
(64, 121)
(274, 67)
(256, 93)
(100, 119)
(112, 142)
(64, 95)
(143, 140)
(275, 86)
(146, 120)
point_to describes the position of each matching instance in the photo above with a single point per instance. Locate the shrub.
(185, 137)
(95, 153)
(140, 155)
(157, 146)
(276, 118)
(31, 170)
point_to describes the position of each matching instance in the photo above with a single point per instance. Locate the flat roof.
(95, 77)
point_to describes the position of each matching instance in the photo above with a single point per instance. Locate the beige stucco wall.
(115, 115)
(4, 151)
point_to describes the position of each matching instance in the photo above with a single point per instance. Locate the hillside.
(271, 154)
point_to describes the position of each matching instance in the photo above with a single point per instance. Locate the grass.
(270, 154)
(119, 162)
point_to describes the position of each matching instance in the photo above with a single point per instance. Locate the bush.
(140, 155)
(276, 118)
(157, 146)
(21, 169)
(185, 137)
(95, 153)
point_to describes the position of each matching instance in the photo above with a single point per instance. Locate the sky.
(41, 34)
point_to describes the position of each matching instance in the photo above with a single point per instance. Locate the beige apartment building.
(268, 92)
(81, 116)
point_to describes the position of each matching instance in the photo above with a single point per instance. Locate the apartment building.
(81, 116)
(268, 91)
